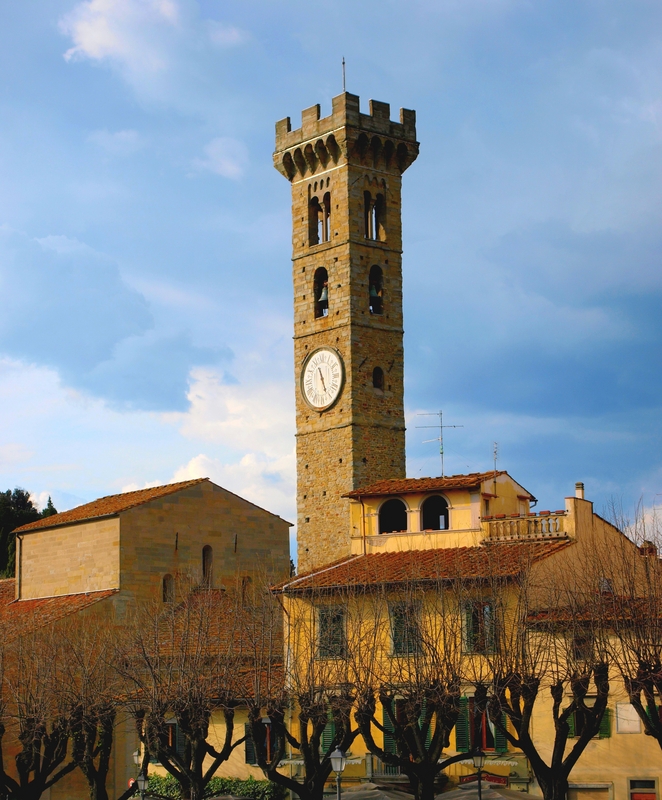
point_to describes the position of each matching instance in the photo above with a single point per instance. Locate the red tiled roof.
(410, 485)
(109, 506)
(494, 560)
(19, 616)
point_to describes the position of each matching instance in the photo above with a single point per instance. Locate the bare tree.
(35, 714)
(550, 637)
(184, 666)
(634, 570)
(91, 691)
(411, 664)
(302, 714)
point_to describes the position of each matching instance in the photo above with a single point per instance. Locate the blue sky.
(145, 332)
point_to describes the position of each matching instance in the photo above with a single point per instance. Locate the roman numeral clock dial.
(322, 378)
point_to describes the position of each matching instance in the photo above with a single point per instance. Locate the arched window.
(374, 217)
(319, 219)
(434, 514)
(168, 589)
(378, 378)
(326, 217)
(376, 290)
(379, 218)
(321, 292)
(207, 564)
(393, 516)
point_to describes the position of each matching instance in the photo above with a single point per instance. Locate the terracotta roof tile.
(109, 506)
(493, 560)
(19, 616)
(410, 485)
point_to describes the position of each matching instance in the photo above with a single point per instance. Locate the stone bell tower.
(346, 175)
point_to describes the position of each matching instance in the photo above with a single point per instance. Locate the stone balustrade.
(544, 525)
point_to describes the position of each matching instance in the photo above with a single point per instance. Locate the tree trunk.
(422, 781)
(553, 786)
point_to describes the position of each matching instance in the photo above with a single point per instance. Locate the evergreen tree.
(16, 509)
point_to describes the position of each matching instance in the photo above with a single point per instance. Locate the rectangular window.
(331, 639)
(642, 789)
(577, 721)
(474, 729)
(479, 629)
(249, 744)
(175, 740)
(627, 719)
(405, 629)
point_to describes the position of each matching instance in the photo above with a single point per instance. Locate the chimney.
(579, 490)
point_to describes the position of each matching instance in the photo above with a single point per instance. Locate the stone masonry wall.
(75, 558)
(166, 536)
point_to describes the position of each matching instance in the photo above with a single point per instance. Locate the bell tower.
(346, 175)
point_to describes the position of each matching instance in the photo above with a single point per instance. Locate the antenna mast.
(343, 73)
(439, 438)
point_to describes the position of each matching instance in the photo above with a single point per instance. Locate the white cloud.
(119, 143)
(224, 156)
(122, 30)
(253, 417)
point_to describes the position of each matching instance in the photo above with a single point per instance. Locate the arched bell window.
(374, 216)
(393, 516)
(319, 219)
(207, 564)
(321, 292)
(168, 589)
(434, 514)
(376, 290)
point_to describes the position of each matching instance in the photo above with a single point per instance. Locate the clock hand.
(322, 378)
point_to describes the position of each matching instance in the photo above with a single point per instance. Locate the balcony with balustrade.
(515, 527)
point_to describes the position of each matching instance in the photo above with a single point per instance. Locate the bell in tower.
(346, 175)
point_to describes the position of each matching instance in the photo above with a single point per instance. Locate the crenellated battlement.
(344, 131)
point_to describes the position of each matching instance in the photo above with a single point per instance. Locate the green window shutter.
(389, 738)
(251, 757)
(462, 738)
(468, 628)
(421, 720)
(500, 741)
(605, 725)
(328, 735)
(571, 726)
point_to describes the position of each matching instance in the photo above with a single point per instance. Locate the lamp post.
(338, 762)
(479, 762)
(142, 779)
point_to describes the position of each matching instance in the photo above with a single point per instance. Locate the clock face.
(322, 378)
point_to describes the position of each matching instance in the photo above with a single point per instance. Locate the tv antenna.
(343, 73)
(439, 438)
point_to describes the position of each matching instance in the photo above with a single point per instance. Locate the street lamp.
(479, 762)
(142, 780)
(338, 762)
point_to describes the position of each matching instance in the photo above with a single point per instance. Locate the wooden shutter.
(389, 730)
(571, 726)
(462, 737)
(328, 735)
(251, 756)
(421, 720)
(605, 725)
(500, 741)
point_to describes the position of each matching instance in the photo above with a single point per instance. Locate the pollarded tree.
(34, 712)
(409, 674)
(551, 638)
(303, 713)
(184, 666)
(634, 610)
